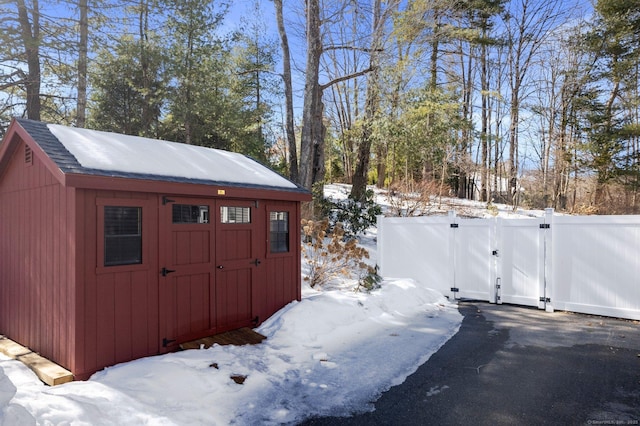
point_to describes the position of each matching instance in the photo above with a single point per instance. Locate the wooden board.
(239, 337)
(47, 371)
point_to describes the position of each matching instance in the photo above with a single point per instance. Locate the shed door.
(187, 269)
(240, 250)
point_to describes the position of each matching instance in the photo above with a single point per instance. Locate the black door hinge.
(455, 289)
(545, 226)
(167, 200)
(166, 342)
(454, 225)
(545, 299)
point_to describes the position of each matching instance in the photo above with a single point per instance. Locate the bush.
(356, 216)
(371, 281)
(412, 199)
(331, 256)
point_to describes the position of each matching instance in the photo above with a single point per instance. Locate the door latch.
(166, 271)
(256, 262)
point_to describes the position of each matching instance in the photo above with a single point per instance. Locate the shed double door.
(209, 257)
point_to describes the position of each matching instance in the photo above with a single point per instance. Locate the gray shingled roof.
(68, 163)
(51, 146)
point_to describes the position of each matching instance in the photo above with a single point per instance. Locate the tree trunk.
(81, 108)
(435, 46)
(188, 128)
(372, 105)
(311, 141)
(148, 111)
(464, 189)
(319, 132)
(603, 172)
(381, 156)
(294, 174)
(484, 125)
(31, 38)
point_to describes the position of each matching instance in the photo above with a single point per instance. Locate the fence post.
(452, 253)
(497, 261)
(548, 260)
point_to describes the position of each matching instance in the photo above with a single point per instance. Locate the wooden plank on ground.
(47, 371)
(11, 348)
(242, 336)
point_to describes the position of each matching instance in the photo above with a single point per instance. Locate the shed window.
(122, 235)
(279, 232)
(235, 214)
(186, 213)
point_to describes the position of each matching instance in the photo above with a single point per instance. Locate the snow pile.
(133, 154)
(332, 353)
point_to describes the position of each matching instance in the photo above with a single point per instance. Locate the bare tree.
(288, 93)
(148, 112)
(30, 33)
(372, 104)
(312, 141)
(312, 144)
(343, 102)
(83, 47)
(528, 22)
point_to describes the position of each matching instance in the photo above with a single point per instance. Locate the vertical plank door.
(186, 270)
(239, 245)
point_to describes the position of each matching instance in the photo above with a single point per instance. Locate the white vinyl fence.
(587, 264)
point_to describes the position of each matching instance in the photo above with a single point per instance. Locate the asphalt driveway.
(511, 365)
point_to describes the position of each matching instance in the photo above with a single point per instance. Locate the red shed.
(117, 247)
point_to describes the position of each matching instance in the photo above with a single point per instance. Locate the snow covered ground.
(334, 352)
(436, 205)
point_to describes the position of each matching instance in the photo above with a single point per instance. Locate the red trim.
(148, 206)
(183, 189)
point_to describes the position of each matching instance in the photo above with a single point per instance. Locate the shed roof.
(97, 153)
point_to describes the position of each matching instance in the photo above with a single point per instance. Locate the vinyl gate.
(582, 264)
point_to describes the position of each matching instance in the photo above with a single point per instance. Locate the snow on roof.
(114, 152)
